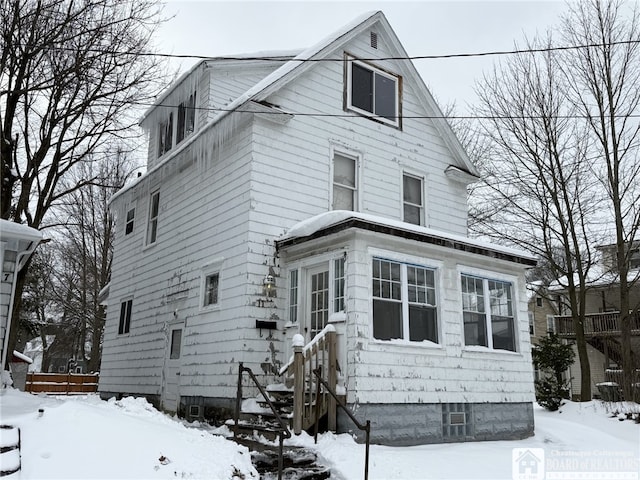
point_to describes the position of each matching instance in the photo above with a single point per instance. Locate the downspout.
(19, 257)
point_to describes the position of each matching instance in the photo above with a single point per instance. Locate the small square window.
(211, 289)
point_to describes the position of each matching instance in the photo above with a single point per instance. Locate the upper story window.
(345, 190)
(373, 92)
(154, 210)
(165, 135)
(487, 310)
(211, 284)
(128, 226)
(412, 199)
(404, 302)
(125, 317)
(186, 118)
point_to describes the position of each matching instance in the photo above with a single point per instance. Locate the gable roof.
(305, 60)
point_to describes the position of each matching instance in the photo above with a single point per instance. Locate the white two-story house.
(288, 191)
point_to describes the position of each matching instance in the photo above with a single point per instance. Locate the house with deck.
(602, 326)
(298, 196)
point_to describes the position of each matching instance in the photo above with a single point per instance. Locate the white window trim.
(422, 176)
(409, 260)
(358, 172)
(209, 268)
(136, 213)
(303, 267)
(147, 243)
(350, 60)
(487, 275)
(552, 319)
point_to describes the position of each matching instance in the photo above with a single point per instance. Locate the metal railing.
(366, 427)
(283, 432)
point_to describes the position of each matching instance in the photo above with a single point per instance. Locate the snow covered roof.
(328, 222)
(10, 229)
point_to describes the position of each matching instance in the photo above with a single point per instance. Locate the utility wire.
(288, 58)
(356, 115)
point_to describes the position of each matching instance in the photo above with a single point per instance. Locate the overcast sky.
(212, 28)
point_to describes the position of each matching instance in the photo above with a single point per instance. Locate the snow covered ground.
(87, 438)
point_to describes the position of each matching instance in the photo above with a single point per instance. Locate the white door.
(317, 305)
(171, 387)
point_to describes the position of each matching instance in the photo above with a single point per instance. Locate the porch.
(596, 325)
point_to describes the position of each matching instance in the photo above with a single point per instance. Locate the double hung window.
(186, 118)
(211, 283)
(404, 302)
(125, 317)
(373, 92)
(487, 308)
(344, 182)
(413, 204)
(154, 210)
(128, 227)
(165, 135)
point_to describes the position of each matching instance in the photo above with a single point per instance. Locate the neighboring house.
(602, 322)
(542, 308)
(17, 243)
(305, 189)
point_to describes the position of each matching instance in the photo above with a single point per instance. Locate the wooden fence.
(62, 383)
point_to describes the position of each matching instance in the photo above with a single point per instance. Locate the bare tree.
(538, 181)
(69, 74)
(86, 250)
(604, 81)
(565, 130)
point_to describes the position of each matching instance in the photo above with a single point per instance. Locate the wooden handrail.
(307, 404)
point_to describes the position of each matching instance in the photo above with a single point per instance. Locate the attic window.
(373, 92)
(374, 40)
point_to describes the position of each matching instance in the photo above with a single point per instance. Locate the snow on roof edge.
(13, 229)
(326, 219)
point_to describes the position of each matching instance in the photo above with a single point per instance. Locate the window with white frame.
(532, 324)
(404, 301)
(154, 210)
(211, 286)
(487, 308)
(551, 324)
(316, 292)
(128, 226)
(373, 92)
(186, 118)
(344, 182)
(293, 296)
(412, 199)
(125, 317)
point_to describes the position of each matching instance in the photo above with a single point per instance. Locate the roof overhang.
(407, 232)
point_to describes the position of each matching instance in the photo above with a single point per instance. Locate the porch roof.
(338, 220)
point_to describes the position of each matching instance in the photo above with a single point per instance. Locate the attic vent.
(374, 40)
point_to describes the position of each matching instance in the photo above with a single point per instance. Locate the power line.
(356, 115)
(288, 58)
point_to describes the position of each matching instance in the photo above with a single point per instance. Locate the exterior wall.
(302, 151)
(204, 205)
